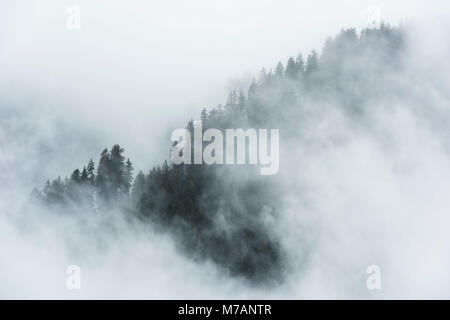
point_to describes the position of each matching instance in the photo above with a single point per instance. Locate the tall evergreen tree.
(128, 177)
(300, 65)
(84, 177)
(242, 101)
(75, 177)
(312, 63)
(138, 189)
(291, 69)
(279, 70)
(103, 180)
(91, 172)
(204, 116)
(262, 77)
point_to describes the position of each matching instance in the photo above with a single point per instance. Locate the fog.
(133, 73)
(149, 66)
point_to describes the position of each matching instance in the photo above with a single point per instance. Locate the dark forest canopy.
(220, 213)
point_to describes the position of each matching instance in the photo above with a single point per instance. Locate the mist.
(370, 191)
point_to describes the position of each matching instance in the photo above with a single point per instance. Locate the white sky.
(189, 47)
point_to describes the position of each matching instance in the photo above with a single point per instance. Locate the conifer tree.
(291, 69)
(311, 63)
(91, 172)
(138, 189)
(103, 179)
(84, 177)
(300, 65)
(279, 70)
(128, 177)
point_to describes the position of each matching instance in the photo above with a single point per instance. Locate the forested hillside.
(226, 213)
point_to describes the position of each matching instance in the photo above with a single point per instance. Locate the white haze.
(133, 73)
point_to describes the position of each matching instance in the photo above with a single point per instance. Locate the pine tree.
(232, 101)
(311, 63)
(128, 177)
(204, 117)
(138, 189)
(242, 101)
(279, 70)
(117, 170)
(252, 89)
(300, 63)
(103, 179)
(262, 77)
(291, 69)
(75, 177)
(91, 172)
(84, 177)
(55, 192)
